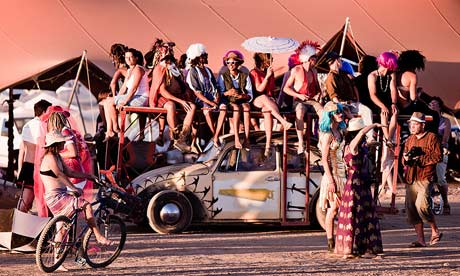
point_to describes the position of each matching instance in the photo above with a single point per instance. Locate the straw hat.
(417, 117)
(355, 124)
(330, 106)
(54, 137)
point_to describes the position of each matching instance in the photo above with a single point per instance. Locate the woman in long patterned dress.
(331, 127)
(358, 230)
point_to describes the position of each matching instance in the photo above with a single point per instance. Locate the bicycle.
(59, 237)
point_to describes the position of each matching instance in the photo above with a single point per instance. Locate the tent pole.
(345, 29)
(75, 83)
(10, 170)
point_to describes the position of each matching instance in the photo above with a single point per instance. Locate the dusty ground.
(270, 251)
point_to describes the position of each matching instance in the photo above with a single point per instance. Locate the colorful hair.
(293, 60)
(388, 60)
(347, 68)
(307, 49)
(411, 60)
(326, 120)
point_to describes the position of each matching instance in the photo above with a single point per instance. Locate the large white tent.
(37, 34)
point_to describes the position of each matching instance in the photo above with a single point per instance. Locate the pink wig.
(293, 60)
(388, 60)
(238, 56)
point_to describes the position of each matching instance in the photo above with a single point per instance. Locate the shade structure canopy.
(35, 34)
(269, 44)
(19, 229)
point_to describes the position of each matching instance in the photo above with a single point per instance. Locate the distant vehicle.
(235, 185)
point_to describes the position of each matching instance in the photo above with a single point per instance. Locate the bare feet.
(300, 150)
(238, 145)
(267, 151)
(103, 241)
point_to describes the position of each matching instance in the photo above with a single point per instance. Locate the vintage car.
(236, 185)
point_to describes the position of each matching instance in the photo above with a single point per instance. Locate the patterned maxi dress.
(358, 230)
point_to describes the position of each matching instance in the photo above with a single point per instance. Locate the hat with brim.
(330, 106)
(55, 108)
(54, 137)
(355, 124)
(417, 117)
(235, 55)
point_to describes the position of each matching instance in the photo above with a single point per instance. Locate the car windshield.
(209, 156)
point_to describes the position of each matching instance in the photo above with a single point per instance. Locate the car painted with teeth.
(229, 185)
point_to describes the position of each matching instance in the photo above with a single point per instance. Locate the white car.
(232, 185)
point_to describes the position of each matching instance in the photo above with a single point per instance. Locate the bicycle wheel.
(53, 244)
(96, 255)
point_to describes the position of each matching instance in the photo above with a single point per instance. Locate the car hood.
(173, 170)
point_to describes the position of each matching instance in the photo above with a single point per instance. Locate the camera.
(412, 155)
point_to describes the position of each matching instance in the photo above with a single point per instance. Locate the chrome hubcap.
(170, 213)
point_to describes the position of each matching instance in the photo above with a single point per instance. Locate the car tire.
(169, 212)
(320, 214)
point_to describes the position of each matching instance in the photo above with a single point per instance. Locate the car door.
(246, 185)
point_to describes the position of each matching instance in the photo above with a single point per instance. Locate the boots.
(181, 143)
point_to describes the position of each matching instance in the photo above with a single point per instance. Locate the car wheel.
(169, 212)
(320, 214)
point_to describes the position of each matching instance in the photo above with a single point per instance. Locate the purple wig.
(238, 54)
(388, 60)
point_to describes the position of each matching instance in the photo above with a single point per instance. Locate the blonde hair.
(57, 121)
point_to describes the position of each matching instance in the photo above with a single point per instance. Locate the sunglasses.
(231, 62)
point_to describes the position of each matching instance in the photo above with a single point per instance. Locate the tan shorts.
(418, 199)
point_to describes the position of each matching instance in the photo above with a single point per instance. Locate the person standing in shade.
(422, 151)
(30, 133)
(444, 131)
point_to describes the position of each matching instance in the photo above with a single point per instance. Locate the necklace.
(381, 84)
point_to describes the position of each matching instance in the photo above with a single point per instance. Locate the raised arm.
(355, 142)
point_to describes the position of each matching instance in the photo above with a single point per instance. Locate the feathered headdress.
(307, 49)
(195, 50)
